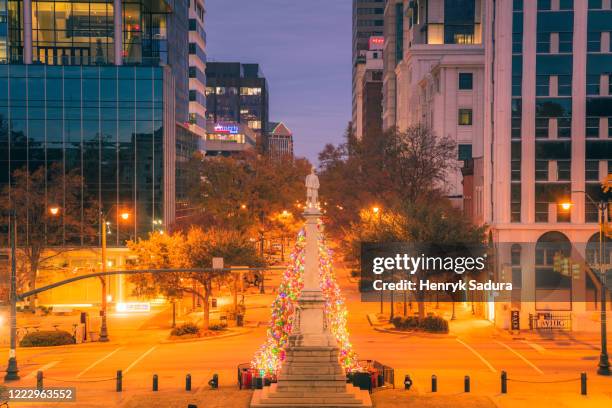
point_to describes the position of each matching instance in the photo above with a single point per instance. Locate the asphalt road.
(139, 348)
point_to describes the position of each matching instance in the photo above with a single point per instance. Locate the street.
(544, 369)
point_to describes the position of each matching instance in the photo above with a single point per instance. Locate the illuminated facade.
(237, 93)
(280, 141)
(228, 138)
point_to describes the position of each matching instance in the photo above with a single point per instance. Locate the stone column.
(118, 26)
(27, 31)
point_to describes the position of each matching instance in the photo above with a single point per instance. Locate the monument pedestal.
(311, 375)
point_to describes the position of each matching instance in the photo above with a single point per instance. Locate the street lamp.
(603, 367)
(375, 210)
(12, 372)
(104, 223)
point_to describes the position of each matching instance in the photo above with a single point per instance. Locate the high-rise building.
(368, 22)
(97, 87)
(547, 139)
(393, 54)
(237, 93)
(367, 112)
(280, 141)
(437, 77)
(197, 68)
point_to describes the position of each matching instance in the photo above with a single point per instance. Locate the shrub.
(434, 324)
(185, 329)
(216, 327)
(47, 338)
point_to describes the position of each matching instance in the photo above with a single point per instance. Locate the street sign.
(515, 320)
(217, 263)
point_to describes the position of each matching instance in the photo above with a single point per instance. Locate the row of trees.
(194, 249)
(402, 174)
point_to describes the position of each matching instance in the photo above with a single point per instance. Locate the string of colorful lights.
(271, 354)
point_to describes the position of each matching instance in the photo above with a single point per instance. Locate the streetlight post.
(103, 326)
(603, 367)
(604, 362)
(12, 371)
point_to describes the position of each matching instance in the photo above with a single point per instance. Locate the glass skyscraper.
(98, 93)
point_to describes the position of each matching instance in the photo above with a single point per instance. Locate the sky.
(304, 50)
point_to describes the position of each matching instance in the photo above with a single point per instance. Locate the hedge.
(434, 324)
(47, 338)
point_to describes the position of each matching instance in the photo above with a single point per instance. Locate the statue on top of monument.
(312, 190)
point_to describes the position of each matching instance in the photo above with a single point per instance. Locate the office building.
(367, 109)
(548, 130)
(437, 78)
(197, 68)
(393, 53)
(367, 22)
(238, 93)
(99, 92)
(280, 141)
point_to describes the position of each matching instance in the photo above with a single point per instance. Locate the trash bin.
(239, 320)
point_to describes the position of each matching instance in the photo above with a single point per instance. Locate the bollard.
(583, 384)
(188, 382)
(407, 382)
(434, 383)
(466, 384)
(39, 380)
(119, 387)
(155, 382)
(214, 382)
(504, 382)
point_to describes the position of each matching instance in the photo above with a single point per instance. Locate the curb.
(193, 340)
(417, 333)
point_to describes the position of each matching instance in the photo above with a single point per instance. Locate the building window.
(541, 128)
(591, 168)
(542, 85)
(515, 202)
(516, 121)
(541, 170)
(564, 85)
(565, 42)
(592, 127)
(592, 84)
(193, 72)
(515, 161)
(595, 4)
(543, 43)
(594, 41)
(465, 117)
(466, 80)
(248, 91)
(544, 5)
(254, 124)
(465, 152)
(564, 128)
(541, 212)
(564, 169)
(517, 5)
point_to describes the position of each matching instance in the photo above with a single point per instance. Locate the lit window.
(250, 91)
(465, 117)
(254, 124)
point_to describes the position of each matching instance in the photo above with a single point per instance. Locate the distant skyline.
(304, 50)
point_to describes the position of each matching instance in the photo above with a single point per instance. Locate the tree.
(384, 170)
(195, 249)
(42, 235)
(242, 192)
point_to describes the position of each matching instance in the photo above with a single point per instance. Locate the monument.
(311, 375)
